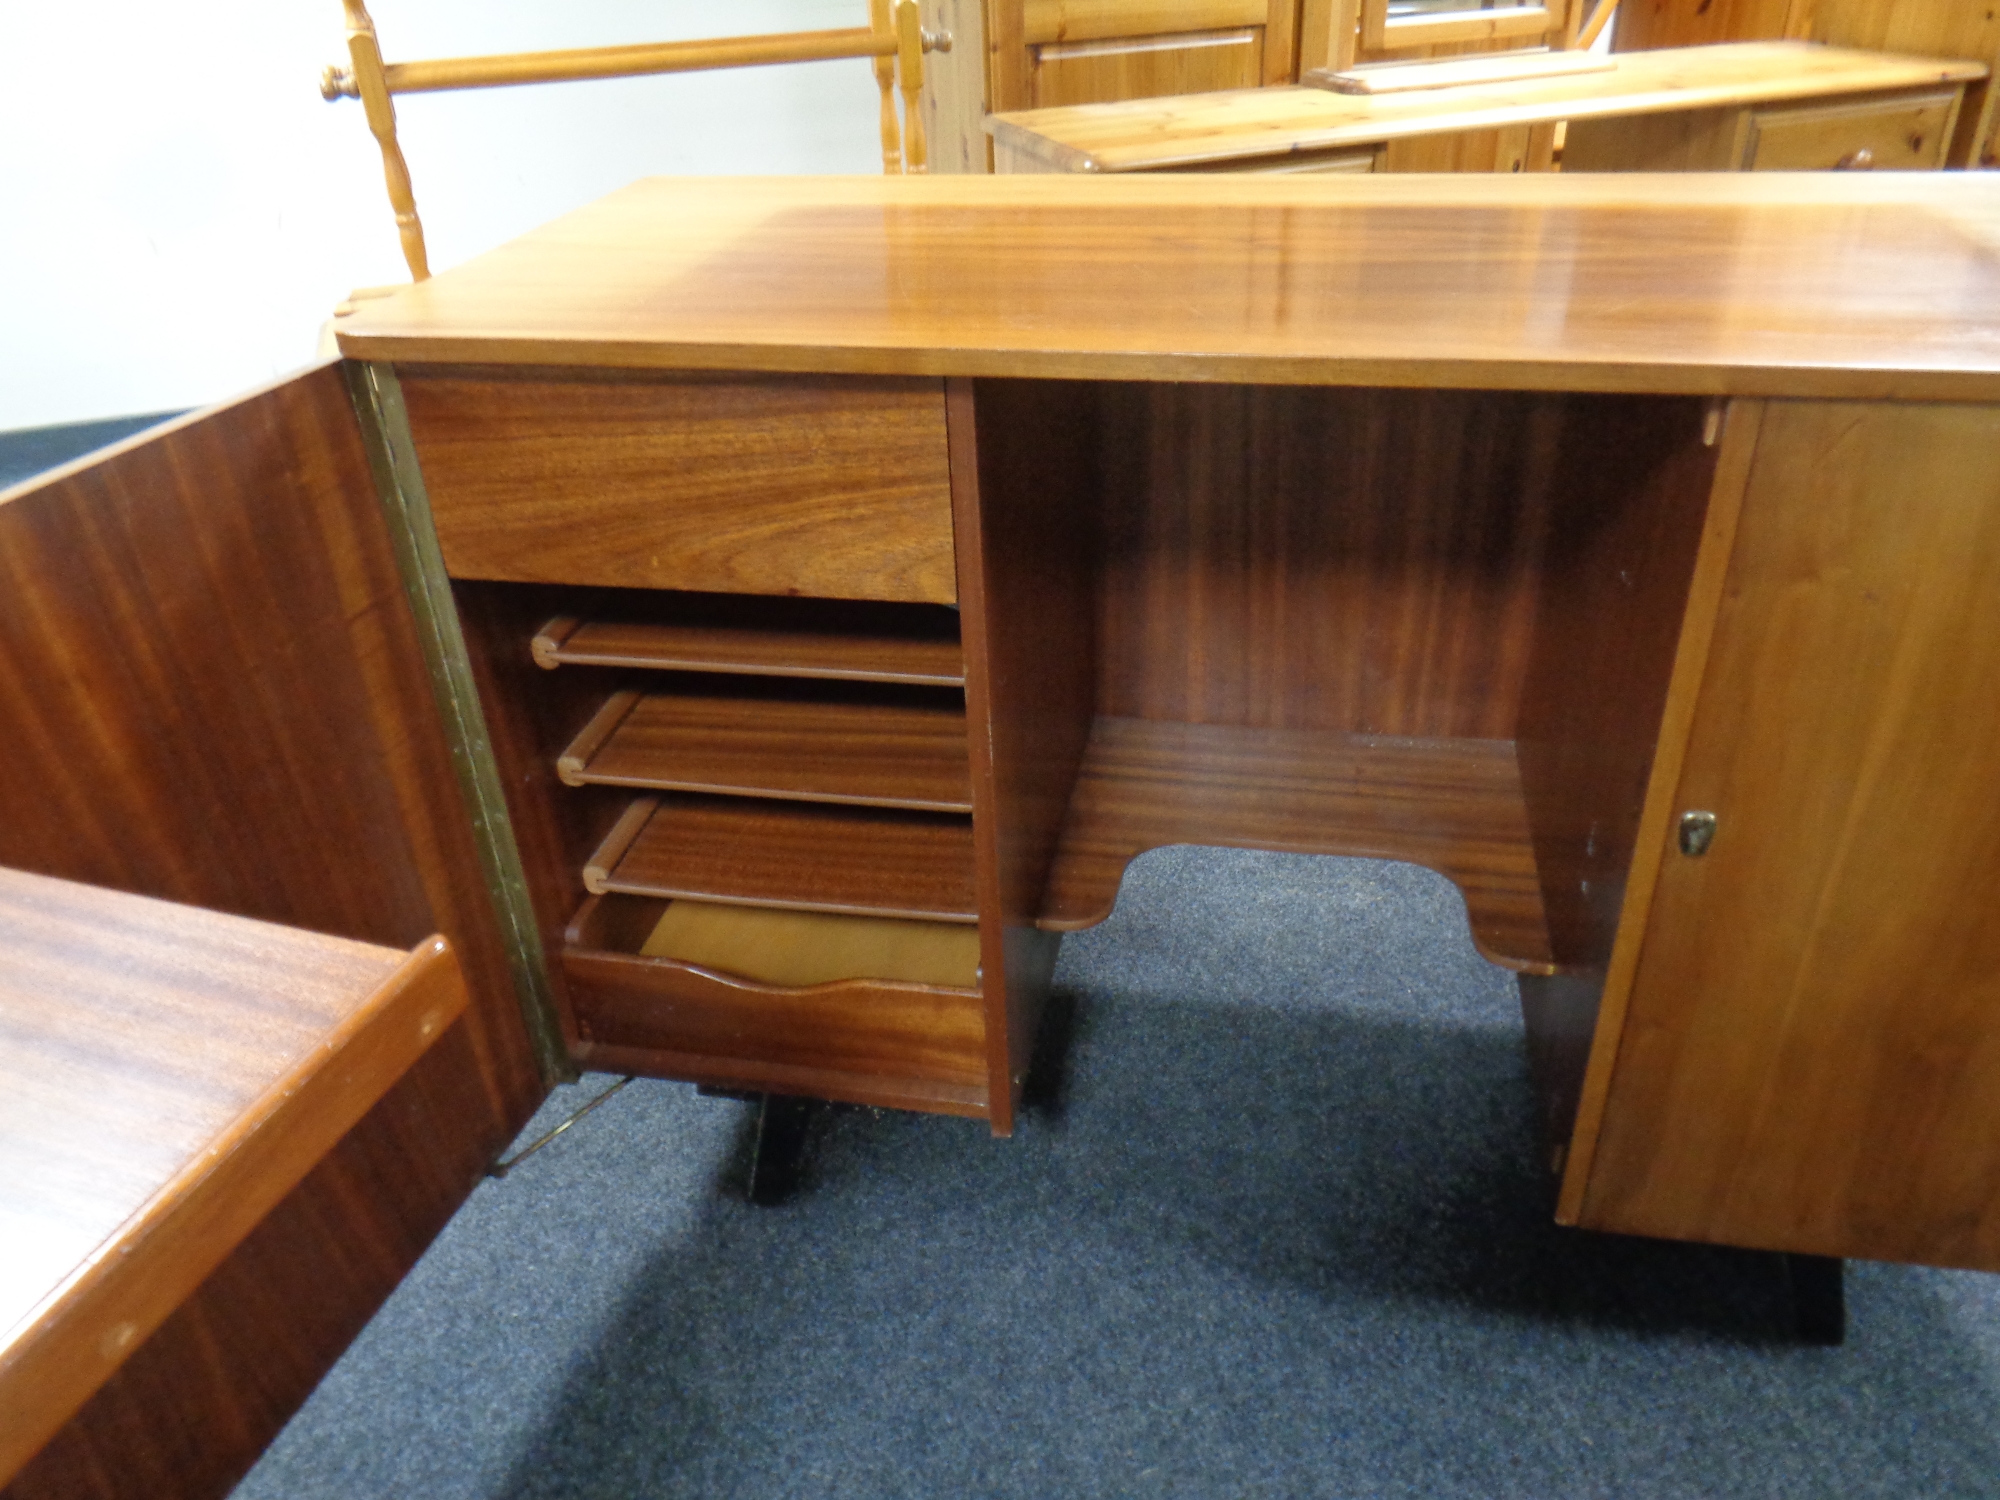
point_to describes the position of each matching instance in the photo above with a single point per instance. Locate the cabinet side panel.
(1631, 491)
(212, 692)
(1811, 1058)
(1024, 486)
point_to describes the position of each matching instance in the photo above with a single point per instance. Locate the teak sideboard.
(876, 567)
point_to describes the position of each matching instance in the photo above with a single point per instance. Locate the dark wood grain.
(1631, 494)
(1364, 562)
(923, 652)
(865, 1028)
(190, 1410)
(1811, 1052)
(803, 855)
(1024, 477)
(883, 749)
(170, 1074)
(1452, 805)
(761, 486)
(212, 693)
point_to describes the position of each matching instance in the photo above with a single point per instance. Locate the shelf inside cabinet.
(803, 855)
(1454, 806)
(912, 644)
(885, 749)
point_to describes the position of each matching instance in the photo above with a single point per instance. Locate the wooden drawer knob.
(1856, 161)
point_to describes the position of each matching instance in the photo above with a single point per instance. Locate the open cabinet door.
(213, 690)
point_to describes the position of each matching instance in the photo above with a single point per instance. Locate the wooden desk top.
(1828, 284)
(167, 1074)
(1195, 129)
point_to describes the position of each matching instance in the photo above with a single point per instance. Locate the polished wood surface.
(1453, 806)
(1024, 482)
(836, 489)
(870, 1040)
(1161, 134)
(808, 856)
(893, 749)
(1693, 285)
(170, 1075)
(1811, 1052)
(177, 715)
(921, 651)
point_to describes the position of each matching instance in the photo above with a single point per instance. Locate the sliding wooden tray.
(915, 644)
(803, 855)
(862, 1040)
(1454, 806)
(886, 749)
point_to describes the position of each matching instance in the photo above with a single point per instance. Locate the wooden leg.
(778, 1149)
(1819, 1298)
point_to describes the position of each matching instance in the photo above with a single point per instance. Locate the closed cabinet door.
(1810, 1058)
(1054, 52)
(1904, 133)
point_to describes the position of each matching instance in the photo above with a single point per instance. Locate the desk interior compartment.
(858, 1036)
(1428, 625)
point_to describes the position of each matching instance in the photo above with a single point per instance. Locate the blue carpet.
(27, 451)
(1276, 1229)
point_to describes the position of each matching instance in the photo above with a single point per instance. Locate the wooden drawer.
(836, 488)
(1904, 133)
(871, 1040)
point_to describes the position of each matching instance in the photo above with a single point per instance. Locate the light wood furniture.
(1748, 106)
(168, 1076)
(894, 38)
(1928, 28)
(1046, 54)
(1490, 525)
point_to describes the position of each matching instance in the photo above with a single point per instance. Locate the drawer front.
(1905, 133)
(855, 1028)
(830, 487)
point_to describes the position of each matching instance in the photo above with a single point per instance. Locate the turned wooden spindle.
(910, 71)
(369, 82)
(881, 21)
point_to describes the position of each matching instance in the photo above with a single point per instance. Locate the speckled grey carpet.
(26, 451)
(1278, 1232)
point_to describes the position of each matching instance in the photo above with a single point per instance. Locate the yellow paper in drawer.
(807, 947)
